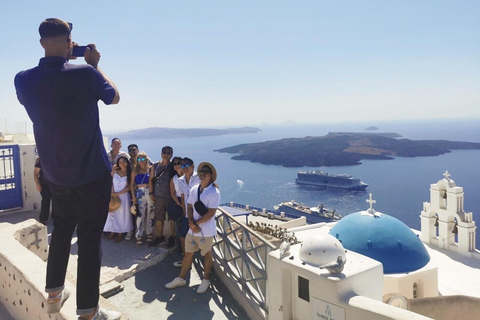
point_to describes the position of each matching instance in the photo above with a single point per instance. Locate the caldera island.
(341, 149)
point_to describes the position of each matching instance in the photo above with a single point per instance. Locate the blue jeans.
(85, 208)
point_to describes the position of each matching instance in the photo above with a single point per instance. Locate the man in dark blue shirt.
(61, 100)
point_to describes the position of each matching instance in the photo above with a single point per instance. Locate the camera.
(79, 51)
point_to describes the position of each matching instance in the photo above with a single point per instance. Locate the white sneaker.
(177, 282)
(56, 303)
(128, 236)
(203, 286)
(178, 263)
(105, 314)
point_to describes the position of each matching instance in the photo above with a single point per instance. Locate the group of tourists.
(61, 99)
(169, 189)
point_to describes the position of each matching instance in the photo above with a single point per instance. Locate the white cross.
(447, 175)
(371, 201)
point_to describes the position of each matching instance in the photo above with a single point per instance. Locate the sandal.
(111, 235)
(149, 238)
(139, 242)
(119, 238)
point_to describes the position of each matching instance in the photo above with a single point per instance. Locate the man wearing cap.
(160, 175)
(203, 202)
(61, 100)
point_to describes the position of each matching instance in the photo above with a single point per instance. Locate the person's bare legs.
(186, 264)
(208, 263)
(159, 227)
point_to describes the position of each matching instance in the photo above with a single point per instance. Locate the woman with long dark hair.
(119, 221)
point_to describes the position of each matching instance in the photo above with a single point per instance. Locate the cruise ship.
(324, 179)
(313, 214)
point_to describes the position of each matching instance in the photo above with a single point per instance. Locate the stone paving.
(134, 278)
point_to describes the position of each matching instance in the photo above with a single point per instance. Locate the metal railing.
(243, 256)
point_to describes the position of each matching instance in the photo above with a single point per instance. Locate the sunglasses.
(131, 150)
(204, 172)
(141, 159)
(167, 152)
(176, 163)
(186, 165)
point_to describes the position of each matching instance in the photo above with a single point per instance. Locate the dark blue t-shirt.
(61, 100)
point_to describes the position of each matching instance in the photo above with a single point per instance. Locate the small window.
(303, 289)
(415, 290)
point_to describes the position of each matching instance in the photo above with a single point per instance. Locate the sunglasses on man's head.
(142, 159)
(186, 165)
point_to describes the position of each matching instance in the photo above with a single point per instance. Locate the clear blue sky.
(233, 63)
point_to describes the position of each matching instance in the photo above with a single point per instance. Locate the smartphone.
(79, 51)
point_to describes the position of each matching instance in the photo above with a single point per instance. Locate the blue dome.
(383, 238)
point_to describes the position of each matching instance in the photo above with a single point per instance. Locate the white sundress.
(120, 221)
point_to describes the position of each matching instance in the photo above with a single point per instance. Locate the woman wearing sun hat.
(203, 202)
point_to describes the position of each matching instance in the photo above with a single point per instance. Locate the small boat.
(313, 214)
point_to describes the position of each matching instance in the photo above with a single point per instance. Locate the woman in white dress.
(119, 221)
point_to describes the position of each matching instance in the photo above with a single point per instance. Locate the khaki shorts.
(194, 243)
(160, 208)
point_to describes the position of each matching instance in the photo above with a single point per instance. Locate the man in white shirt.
(185, 183)
(203, 202)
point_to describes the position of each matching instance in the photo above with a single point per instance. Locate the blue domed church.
(382, 238)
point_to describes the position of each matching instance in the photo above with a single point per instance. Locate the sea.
(399, 186)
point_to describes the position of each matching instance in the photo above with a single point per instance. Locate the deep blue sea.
(399, 186)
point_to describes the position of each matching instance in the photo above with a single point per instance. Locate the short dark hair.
(167, 148)
(187, 160)
(117, 139)
(178, 159)
(54, 27)
(132, 145)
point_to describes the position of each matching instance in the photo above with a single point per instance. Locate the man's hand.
(39, 187)
(92, 56)
(70, 57)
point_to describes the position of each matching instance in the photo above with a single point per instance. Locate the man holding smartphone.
(61, 100)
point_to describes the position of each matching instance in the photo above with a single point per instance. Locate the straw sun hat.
(114, 204)
(211, 167)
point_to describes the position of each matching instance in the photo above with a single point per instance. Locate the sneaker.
(177, 282)
(56, 303)
(178, 263)
(157, 242)
(203, 286)
(171, 242)
(128, 236)
(105, 314)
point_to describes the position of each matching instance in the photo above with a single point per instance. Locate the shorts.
(182, 233)
(194, 243)
(160, 208)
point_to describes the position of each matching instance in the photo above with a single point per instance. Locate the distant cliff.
(341, 149)
(155, 132)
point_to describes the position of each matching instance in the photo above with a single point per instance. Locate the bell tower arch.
(444, 219)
